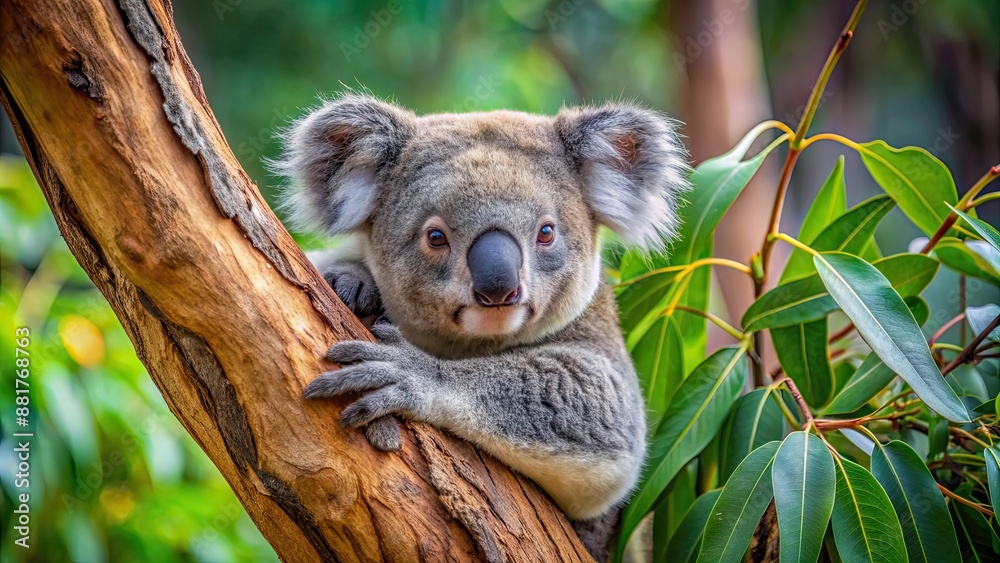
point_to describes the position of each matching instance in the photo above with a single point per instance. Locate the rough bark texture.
(222, 307)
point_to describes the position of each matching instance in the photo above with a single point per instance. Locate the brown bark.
(222, 307)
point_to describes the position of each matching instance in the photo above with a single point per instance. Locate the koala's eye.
(436, 238)
(546, 234)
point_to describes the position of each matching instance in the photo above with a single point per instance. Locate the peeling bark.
(223, 309)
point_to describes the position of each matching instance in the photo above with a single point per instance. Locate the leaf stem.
(799, 400)
(964, 204)
(796, 145)
(792, 241)
(688, 268)
(841, 333)
(944, 328)
(964, 501)
(969, 352)
(984, 199)
(730, 329)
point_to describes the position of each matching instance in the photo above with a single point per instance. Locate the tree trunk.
(224, 310)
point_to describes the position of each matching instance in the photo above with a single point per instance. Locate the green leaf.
(975, 535)
(992, 455)
(830, 203)
(808, 300)
(984, 229)
(753, 421)
(850, 233)
(927, 528)
(918, 181)
(695, 415)
(981, 317)
(739, 508)
(672, 505)
(791, 303)
(919, 308)
(659, 363)
(967, 382)
(870, 379)
(716, 183)
(886, 324)
(964, 260)
(686, 541)
(805, 485)
(865, 526)
(804, 355)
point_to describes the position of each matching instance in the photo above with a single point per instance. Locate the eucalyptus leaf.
(865, 525)
(984, 229)
(887, 325)
(920, 507)
(981, 317)
(992, 455)
(976, 537)
(919, 308)
(804, 354)
(866, 383)
(961, 258)
(686, 540)
(830, 203)
(849, 233)
(658, 359)
(807, 299)
(754, 420)
(739, 507)
(694, 416)
(919, 182)
(805, 485)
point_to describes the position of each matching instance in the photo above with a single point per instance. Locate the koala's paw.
(393, 376)
(354, 285)
(385, 434)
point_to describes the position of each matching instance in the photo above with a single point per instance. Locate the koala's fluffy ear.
(334, 157)
(634, 168)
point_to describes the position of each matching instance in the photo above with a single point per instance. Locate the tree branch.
(224, 310)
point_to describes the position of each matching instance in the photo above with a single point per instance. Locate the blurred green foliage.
(114, 476)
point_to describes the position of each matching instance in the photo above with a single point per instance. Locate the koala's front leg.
(569, 417)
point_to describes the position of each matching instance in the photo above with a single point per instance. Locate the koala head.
(481, 229)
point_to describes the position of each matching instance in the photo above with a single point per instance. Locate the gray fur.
(545, 385)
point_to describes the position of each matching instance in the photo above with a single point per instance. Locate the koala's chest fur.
(476, 235)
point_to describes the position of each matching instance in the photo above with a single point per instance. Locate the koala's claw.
(354, 285)
(350, 379)
(354, 351)
(385, 401)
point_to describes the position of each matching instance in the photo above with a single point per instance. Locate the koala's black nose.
(494, 261)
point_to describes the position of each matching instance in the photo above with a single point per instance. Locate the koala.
(476, 237)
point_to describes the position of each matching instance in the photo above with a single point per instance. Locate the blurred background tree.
(115, 478)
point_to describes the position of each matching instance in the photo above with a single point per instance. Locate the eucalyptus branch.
(796, 145)
(842, 333)
(799, 400)
(969, 352)
(835, 424)
(964, 501)
(944, 328)
(964, 204)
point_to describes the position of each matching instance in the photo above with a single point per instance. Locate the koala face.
(481, 229)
